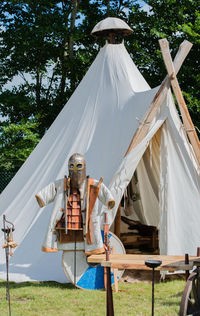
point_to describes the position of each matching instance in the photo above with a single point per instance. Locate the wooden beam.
(165, 258)
(187, 121)
(118, 222)
(159, 97)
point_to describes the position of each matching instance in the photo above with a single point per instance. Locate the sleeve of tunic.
(106, 197)
(46, 195)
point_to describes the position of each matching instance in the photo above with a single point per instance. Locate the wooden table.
(137, 262)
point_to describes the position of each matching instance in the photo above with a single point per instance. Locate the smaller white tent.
(99, 121)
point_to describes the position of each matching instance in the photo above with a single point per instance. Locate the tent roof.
(108, 25)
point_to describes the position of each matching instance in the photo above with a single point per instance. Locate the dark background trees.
(47, 45)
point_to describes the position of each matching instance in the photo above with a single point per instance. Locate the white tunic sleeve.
(106, 197)
(46, 195)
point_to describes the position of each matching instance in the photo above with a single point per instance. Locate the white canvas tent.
(99, 122)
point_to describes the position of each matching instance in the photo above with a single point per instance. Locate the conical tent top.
(111, 26)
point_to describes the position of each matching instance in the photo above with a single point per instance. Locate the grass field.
(54, 299)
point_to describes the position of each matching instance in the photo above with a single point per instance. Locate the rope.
(142, 122)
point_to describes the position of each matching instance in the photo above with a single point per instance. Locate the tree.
(176, 21)
(48, 44)
(16, 143)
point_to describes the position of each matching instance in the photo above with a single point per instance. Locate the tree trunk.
(38, 87)
(68, 44)
(72, 25)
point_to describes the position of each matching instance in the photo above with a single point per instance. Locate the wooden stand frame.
(187, 121)
(142, 130)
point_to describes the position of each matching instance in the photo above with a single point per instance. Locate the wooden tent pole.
(187, 121)
(159, 97)
(117, 222)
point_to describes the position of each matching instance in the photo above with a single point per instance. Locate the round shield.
(85, 275)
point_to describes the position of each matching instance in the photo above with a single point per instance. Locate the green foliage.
(177, 21)
(16, 143)
(48, 45)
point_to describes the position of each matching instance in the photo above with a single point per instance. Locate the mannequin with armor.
(76, 212)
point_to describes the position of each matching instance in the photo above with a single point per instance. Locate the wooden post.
(187, 121)
(112, 38)
(198, 251)
(109, 294)
(154, 240)
(187, 273)
(87, 206)
(117, 222)
(159, 97)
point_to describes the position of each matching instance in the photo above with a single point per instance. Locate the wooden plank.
(130, 239)
(115, 280)
(137, 258)
(159, 98)
(183, 51)
(189, 126)
(164, 262)
(169, 263)
(140, 265)
(134, 266)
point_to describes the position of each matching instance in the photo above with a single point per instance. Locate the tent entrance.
(138, 217)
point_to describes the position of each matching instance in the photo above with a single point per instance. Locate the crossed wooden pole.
(171, 79)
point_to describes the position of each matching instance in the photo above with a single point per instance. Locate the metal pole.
(75, 258)
(109, 294)
(6, 236)
(7, 280)
(153, 264)
(152, 291)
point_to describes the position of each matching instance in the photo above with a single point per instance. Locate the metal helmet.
(77, 170)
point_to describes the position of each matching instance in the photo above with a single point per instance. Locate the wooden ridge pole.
(187, 121)
(159, 97)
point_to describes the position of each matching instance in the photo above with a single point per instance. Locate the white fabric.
(148, 174)
(180, 191)
(179, 200)
(99, 122)
(109, 24)
(126, 170)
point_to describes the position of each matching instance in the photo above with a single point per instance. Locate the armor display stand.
(153, 264)
(8, 245)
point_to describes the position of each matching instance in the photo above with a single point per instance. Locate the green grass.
(54, 299)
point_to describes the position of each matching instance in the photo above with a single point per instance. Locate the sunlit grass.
(51, 298)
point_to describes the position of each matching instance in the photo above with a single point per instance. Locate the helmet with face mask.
(77, 170)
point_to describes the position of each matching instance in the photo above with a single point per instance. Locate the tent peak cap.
(111, 25)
